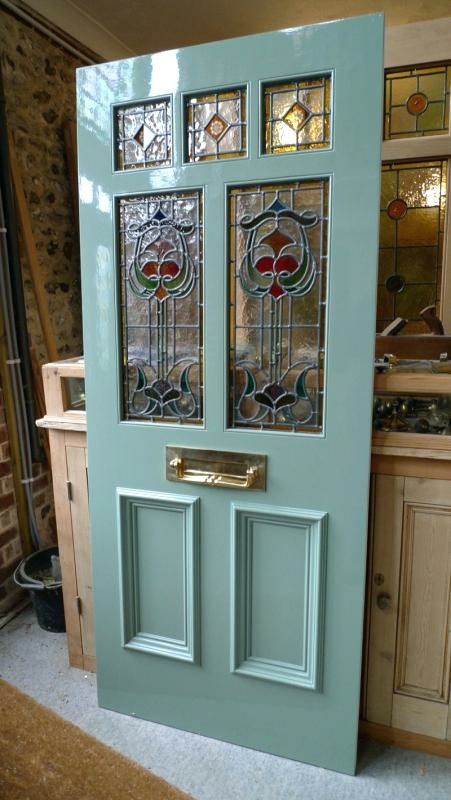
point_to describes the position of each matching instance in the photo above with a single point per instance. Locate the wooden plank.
(423, 647)
(387, 531)
(406, 739)
(411, 467)
(411, 452)
(76, 470)
(413, 346)
(421, 490)
(420, 716)
(66, 547)
(70, 424)
(416, 148)
(423, 441)
(39, 397)
(16, 466)
(32, 254)
(412, 382)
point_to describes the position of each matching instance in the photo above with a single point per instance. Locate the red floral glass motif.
(280, 264)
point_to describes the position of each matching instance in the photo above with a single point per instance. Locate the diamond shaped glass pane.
(144, 135)
(297, 114)
(216, 125)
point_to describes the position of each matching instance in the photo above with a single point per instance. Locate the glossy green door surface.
(234, 612)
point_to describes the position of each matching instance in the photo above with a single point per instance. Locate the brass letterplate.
(217, 468)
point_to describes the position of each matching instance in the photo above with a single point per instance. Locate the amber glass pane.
(297, 115)
(161, 308)
(277, 274)
(216, 125)
(417, 101)
(144, 134)
(413, 199)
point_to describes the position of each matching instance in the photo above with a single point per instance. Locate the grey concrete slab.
(36, 662)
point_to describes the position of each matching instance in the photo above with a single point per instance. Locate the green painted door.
(228, 207)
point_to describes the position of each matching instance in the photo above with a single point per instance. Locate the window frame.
(401, 50)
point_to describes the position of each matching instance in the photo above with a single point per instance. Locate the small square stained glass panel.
(216, 125)
(144, 134)
(417, 101)
(297, 115)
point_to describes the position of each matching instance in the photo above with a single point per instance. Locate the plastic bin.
(35, 574)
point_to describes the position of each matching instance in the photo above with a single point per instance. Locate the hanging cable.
(14, 362)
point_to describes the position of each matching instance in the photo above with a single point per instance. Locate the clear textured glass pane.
(216, 125)
(413, 198)
(297, 115)
(417, 101)
(161, 302)
(144, 135)
(277, 290)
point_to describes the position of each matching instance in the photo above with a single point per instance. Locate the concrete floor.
(36, 662)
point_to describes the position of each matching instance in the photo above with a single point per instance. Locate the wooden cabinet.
(406, 677)
(409, 605)
(65, 420)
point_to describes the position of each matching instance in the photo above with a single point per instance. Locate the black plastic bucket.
(35, 574)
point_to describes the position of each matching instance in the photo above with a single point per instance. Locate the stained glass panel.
(216, 125)
(277, 280)
(417, 101)
(144, 134)
(161, 282)
(297, 115)
(413, 198)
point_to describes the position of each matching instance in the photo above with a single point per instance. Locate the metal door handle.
(214, 478)
(383, 600)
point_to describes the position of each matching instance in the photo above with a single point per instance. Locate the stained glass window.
(413, 198)
(297, 115)
(144, 134)
(161, 280)
(216, 125)
(278, 259)
(417, 101)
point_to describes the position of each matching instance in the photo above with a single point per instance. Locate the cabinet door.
(409, 650)
(77, 476)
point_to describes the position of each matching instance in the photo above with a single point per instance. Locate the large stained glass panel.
(161, 282)
(216, 125)
(277, 287)
(144, 134)
(297, 114)
(413, 198)
(417, 101)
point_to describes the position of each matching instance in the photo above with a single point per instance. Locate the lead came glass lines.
(297, 115)
(144, 134)
(161, 281)
(412, 219)
(216, 125)
(417, 101)
(277, 290)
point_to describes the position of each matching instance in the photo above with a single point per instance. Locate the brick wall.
(39, 84)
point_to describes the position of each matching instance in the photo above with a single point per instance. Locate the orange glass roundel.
(416, 103)
(397, 208)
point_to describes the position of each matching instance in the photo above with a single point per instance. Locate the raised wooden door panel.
(229, 197)
(79, 511)
(409, 643)
(385, 539)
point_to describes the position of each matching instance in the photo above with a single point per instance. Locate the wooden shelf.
(413, 382)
